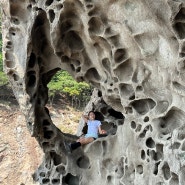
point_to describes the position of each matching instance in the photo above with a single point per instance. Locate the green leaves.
(64, 83)
(3, 77)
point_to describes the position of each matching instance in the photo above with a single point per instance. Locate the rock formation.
(133, 53)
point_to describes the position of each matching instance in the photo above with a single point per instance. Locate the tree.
(62, 82)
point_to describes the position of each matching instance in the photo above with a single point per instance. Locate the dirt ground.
(20, 154)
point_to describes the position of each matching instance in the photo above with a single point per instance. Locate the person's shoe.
(68, 147)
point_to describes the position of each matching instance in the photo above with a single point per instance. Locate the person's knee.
(89, 140)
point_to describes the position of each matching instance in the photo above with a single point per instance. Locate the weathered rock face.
(133, 52)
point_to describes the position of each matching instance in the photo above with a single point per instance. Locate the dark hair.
(90, 112)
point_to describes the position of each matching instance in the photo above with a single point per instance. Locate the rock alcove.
(132, 52)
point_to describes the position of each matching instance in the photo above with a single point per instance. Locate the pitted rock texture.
(133, 53)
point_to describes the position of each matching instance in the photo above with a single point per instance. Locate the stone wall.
(133, 53)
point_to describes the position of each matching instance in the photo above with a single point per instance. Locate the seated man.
(94, 127)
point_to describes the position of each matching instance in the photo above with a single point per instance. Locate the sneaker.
(68, 147)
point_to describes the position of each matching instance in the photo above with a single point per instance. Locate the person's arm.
(85, 118)
(101, 131)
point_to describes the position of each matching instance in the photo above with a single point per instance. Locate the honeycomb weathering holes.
(150, 143)
(143, 106)
(83, 162)
(73, 40)
(120, 55)
(51, 15)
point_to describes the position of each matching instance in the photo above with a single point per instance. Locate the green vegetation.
(3, 77)
(63, 82)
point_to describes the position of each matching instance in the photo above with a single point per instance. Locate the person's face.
(91, 116)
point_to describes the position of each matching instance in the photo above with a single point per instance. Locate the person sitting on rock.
(94, 127)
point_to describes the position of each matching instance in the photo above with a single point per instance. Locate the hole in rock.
(166, 171)
(45, 145)
(51, 15)
(99, 94)
(42, 174)
(156, 155)
(48, 134)
(15, 21)
(179, 27)
(57, 159)
(98, 115)
(48, 2)
(65, 59)
(93, 12)
(139, 169)
(93, 75)
(132, 97)
(175, 145)
(55, 181)
(31, 78)
(173, 119)
(59, 6)
(150, 143)
(142, 135)
(72, 67)
(70, 179)
(61, 169)
(128, 110)
(120, 55)
(15, 77)
(127, 90)
(138, 129)
(95, 25)
(117, 115)
(109, 178)
(83, 162)
(73, 40)
(133, 124)
(32, 60)
(124, 71)
(181, 15)
(66, 26)
(10, 64)
(143, 106)
(179, 87)
(9, 45)
(114, 40)
(155, 172)
(29, 7)
(108, 31)
(90, 6)
(45, 181)
(40, 20)
(120, 122)
(146, 119)
(78, 69)
(139, 88)
(143, 155)
(106, 64)
(103, 110)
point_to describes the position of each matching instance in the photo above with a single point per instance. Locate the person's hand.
(103, 132)
(84, 116)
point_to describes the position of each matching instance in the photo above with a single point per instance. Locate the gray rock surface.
(133, 53)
